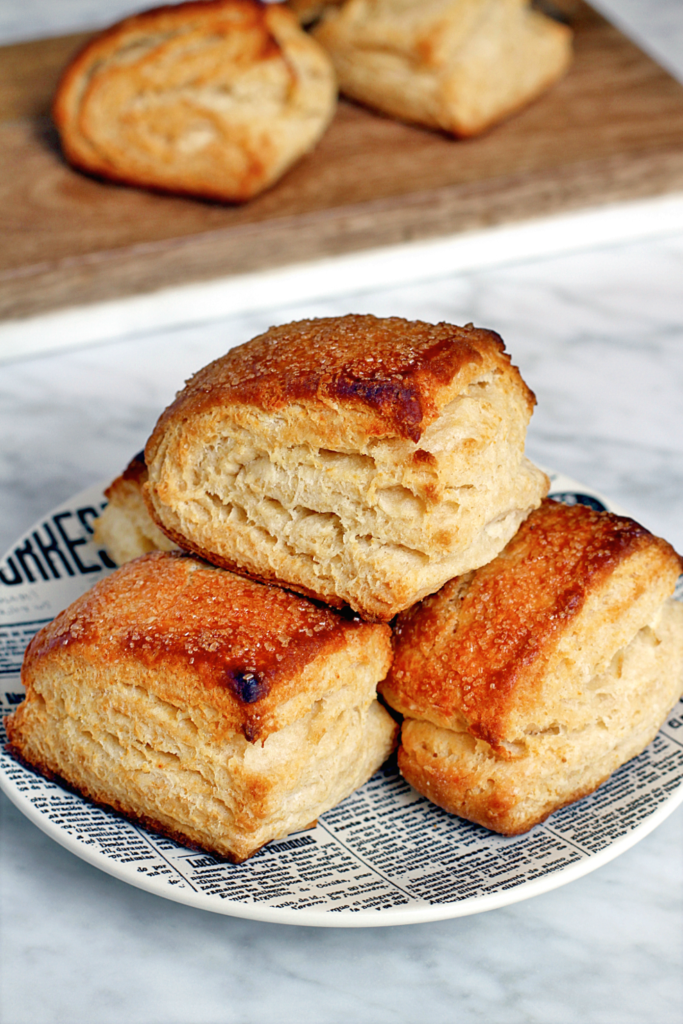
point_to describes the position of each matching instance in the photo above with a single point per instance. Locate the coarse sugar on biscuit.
(526, 683)
(214, 98)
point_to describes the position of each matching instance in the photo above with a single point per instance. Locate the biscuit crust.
(243, 650)
(386, 377)
(308, 11)
(355, 459)
(224, 711)
(215, 98)
(544, 670)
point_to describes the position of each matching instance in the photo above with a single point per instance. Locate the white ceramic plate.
(384, 856)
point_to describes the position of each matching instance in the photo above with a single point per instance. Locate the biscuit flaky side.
(125, 528)
(528, 682)
(355, 459)
(217, 710)
(215, 98)
(458, 65)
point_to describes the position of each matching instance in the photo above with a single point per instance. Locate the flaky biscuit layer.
(125, 528)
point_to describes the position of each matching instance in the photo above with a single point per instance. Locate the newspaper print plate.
(384, 856)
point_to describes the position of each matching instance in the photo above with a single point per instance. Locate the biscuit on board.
(215, 98)
(458, 65)
(354, 459)
(218, 711)
(525, 684)
(125, 527)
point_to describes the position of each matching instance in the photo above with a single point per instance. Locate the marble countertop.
(599, 337)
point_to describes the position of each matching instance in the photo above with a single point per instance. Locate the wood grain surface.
(611, 130)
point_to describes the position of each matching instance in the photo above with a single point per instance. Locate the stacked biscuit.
(315, 483)
(213, 709)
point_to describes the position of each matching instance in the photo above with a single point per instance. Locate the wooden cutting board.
(611, 130)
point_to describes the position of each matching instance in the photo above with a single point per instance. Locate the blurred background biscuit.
(528, 682)
(356, 459)
(216, 98)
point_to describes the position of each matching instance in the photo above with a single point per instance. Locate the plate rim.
(393, 917)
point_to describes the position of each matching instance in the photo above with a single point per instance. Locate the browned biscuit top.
(476, 647)
(208, 636)
(400, 371)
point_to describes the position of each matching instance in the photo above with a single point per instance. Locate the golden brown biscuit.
(216, 710)
(458, 65)
(126, 528)
(353, 459)
(528, 682)
(215, 98)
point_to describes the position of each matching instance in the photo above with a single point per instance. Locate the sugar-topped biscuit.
(125, 527)
(215, 98)
(525, 684)
(216, 710)
(458, 65)
(355, 459)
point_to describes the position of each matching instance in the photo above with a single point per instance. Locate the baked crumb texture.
(458, 65)
(125, 527)
(216, 710)
(525, 684)
(354, 459)
(215, 98)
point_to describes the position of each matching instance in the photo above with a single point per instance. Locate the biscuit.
(525, 684)
(215, 98)
(457, 65)
(354, 459)
(125, 527)
(218, 711)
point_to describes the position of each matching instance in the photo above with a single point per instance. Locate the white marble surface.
(599, 336)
